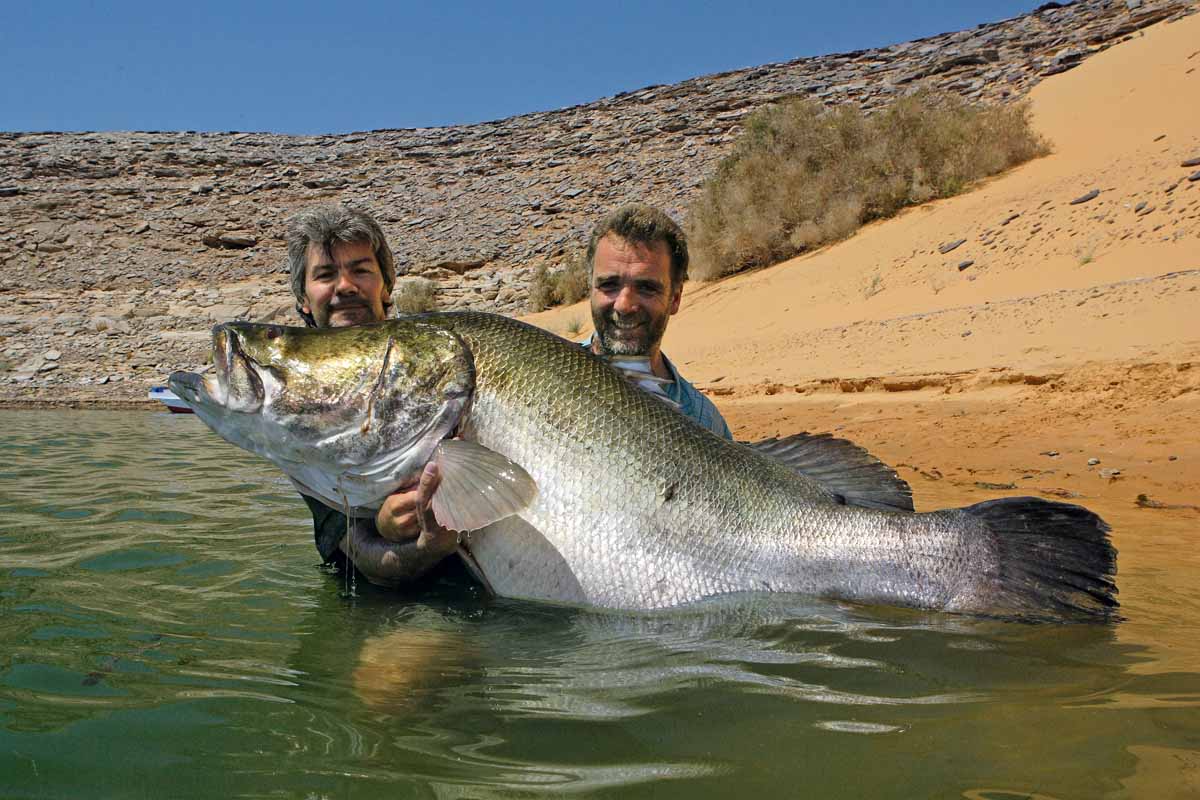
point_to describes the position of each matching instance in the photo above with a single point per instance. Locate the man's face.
(343, 285)
(632, 296)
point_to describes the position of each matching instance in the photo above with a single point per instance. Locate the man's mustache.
(641, 318)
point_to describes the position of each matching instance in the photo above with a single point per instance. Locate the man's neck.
(658, 364)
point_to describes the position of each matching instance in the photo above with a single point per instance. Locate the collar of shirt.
(691, 402)
(675, 391)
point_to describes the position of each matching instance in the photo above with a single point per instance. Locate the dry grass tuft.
(414, 296)
(541, 289)
(563, 287)
(802, 176)
(573, 282)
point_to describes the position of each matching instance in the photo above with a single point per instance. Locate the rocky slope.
(119, 250)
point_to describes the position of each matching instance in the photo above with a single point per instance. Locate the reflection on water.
(164, 632)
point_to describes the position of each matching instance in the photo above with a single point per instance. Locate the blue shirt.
(691, 402)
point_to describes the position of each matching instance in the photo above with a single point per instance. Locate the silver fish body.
(638, 508)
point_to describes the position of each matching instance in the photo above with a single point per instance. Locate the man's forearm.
(384, 562)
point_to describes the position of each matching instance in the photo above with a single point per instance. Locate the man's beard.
(615, 341)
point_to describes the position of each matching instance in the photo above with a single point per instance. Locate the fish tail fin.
(1052, 559)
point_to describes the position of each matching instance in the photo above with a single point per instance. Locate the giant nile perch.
(578, 487)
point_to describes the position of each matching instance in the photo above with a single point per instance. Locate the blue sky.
(309, 67)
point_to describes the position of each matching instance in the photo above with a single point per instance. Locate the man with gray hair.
(341, 266)
(343, 272)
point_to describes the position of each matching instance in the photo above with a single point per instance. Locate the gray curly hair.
(325, 225)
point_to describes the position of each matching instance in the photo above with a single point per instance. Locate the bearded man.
(638, 260)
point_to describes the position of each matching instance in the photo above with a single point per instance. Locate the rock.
(1195, 176)
(140, 228)
(948, 246)
(1110, 474)
(1191, 162)
(460, 267)
(194, 337)
(1083, 198)
(201, 188)
(52, 355)
(324, 183)
(9, 191)
(1009, 218)
(105, 323)
(31, 365)
(224, 312)
(964, 264)
(1093, 462)
(230, 240)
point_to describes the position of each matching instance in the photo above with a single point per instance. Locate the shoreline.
(79, 404)
(1106, 432)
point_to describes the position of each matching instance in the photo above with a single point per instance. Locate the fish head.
(361, 407)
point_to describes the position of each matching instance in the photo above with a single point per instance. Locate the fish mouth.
(233, 384)
(196, 389)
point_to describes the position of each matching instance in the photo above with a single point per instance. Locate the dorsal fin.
(850, 472)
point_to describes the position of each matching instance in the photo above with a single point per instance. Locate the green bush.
(801, 176)
(414, 296)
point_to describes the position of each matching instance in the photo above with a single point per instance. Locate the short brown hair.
(326, 224)
(644, 225)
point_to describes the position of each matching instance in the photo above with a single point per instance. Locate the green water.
(164, 632)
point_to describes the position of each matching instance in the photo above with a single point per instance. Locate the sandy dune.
(1054, 327)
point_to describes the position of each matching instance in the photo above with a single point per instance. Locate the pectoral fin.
(479, 486)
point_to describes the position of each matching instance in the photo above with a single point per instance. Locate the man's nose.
(627, 301)
(345, 284)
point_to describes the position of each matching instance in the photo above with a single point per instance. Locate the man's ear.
(676, 296)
